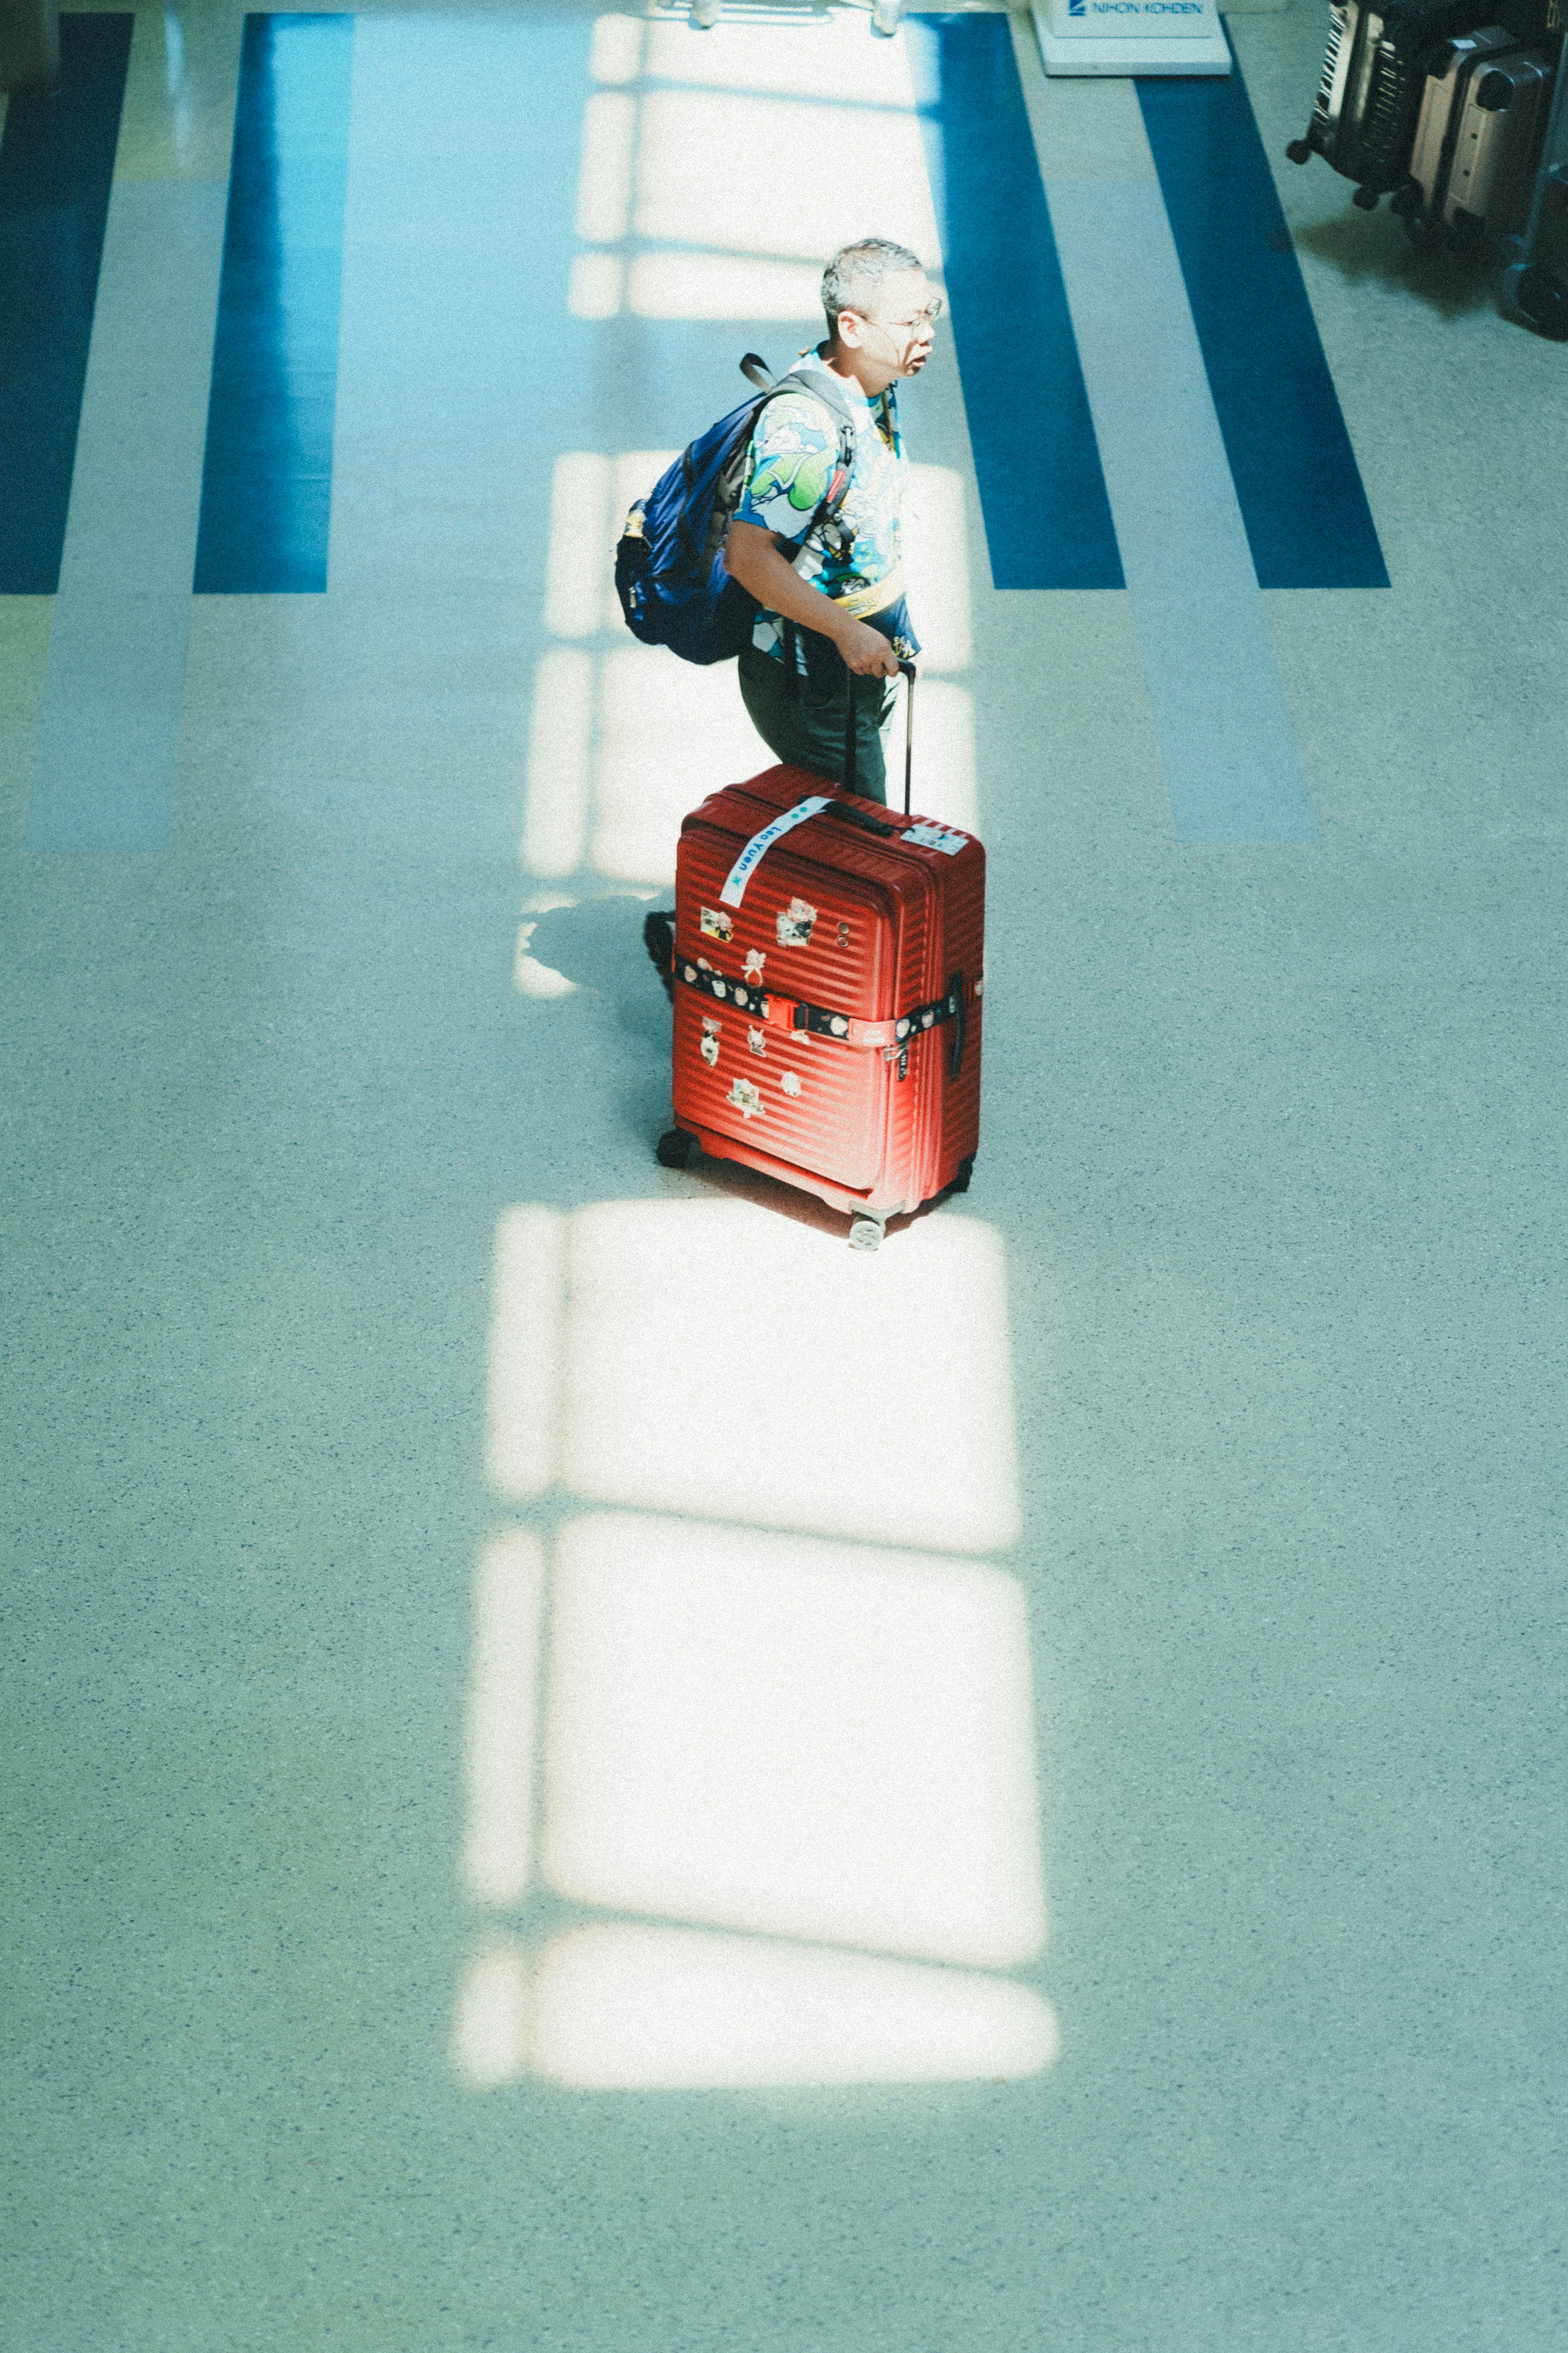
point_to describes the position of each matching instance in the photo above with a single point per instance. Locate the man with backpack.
(816, 540)
(776, 536)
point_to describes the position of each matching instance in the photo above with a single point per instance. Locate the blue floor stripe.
(57, 162)
(1047, 518)
(1307, 517)
(267, 481)
(1232, 766)
(114, 686)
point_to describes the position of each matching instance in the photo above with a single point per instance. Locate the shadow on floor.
(1363, 245)
(599, 946)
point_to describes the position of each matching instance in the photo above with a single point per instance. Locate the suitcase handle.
(960, 1004)
(909, 669)
(861, 818)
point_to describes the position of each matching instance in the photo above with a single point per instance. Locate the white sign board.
(1132, 36)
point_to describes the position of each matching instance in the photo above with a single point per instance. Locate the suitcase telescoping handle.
(909, 669)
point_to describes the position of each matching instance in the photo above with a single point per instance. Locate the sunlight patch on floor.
(491, 2024)
(668, 734)
(560, 746)
(666, 1306)
(709, 166)
(807, 1740)
(770, 1708)
(614, 2007)
(527, 1300)
(690, 136)
(832, 56)
(509, 1597)
(720, 285)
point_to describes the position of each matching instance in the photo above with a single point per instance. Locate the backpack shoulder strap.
(821, 384)
(816, 384)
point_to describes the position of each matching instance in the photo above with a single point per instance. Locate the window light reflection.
(523, 1386)
(615, 2007)
(580, 531)
(808, 1740)
(827, 56)
(490, 2022)
(605, 174)
(676, 1306)
(669, 733)
(670, 1303)
(593, 289)
(559, 739)
(625, 2007)
(616, 52)
(936, 566)
(709, 166)
(723, 286)
(509, 1597)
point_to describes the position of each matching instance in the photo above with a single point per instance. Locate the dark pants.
(807, 728)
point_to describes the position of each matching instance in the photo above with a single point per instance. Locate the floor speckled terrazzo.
(1272, 1166)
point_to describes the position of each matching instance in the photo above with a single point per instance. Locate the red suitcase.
(828, 980)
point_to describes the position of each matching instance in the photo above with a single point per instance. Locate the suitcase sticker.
(859, 937)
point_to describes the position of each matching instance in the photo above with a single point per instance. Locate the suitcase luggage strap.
(789, 1013)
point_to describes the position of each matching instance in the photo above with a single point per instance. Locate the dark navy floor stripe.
(57, 162)
(266, 481)
(1301, 492)
(1047, 518)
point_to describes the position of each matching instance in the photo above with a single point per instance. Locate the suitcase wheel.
(675, 1148)
(1300, 150)
(965, 1171)
(865, 1233)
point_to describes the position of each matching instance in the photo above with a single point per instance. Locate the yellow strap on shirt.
(861, 601)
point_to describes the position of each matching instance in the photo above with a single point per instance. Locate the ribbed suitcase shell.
(1363, 119)
(1374, 77)
(894, 925)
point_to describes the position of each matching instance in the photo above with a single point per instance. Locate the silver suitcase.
(1493, 172)
(1371, 85)
(1449, 71)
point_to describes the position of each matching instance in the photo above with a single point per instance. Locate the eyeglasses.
(925, 318)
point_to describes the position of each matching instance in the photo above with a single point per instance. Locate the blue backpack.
(669, 563)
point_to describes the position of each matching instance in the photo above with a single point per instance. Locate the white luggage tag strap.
(756, 850)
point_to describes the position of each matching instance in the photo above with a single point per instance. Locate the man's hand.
(754, 557)
(866, 650)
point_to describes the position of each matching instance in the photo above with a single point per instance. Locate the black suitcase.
(1535, 289)
(1374, 75)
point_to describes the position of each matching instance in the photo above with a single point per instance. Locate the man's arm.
(752, 556)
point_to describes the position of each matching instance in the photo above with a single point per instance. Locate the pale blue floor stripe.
(1232, 766)
(108, 739)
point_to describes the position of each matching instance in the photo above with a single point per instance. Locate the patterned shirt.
(855, 560)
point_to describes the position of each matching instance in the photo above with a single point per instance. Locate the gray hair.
(851, 277)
